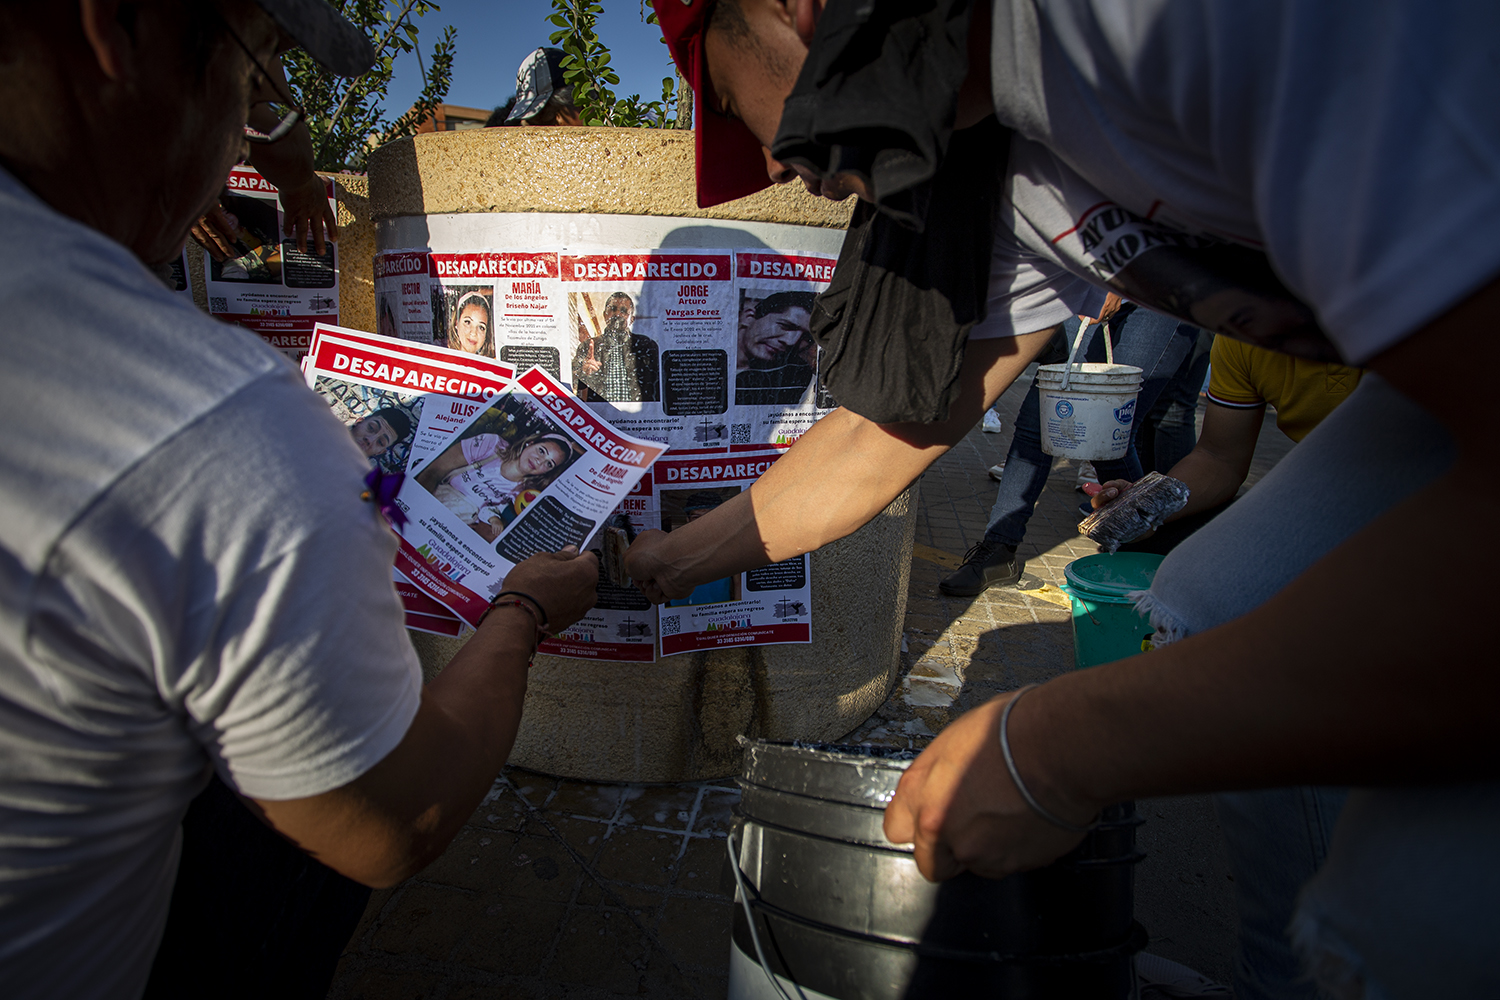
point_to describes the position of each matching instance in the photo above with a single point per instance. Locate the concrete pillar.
(675, 719)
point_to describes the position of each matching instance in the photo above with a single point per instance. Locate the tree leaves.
(343, 115)
(585, 68)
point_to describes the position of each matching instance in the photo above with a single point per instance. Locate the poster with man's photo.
(378, 388)
(652, 341)
(270, 285)
(403, 303)
(530, 470)
(765, 606)
(777, 395)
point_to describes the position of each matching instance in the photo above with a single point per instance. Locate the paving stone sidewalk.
(559, 888)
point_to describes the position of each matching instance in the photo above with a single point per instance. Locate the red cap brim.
(730, 161)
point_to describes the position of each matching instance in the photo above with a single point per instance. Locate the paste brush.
(1140, 508)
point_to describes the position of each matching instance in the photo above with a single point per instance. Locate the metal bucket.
(830, 908)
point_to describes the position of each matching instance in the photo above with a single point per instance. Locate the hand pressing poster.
(760, 607)
(777, 396)
(530, 471)
(653, 332)
(271, 285)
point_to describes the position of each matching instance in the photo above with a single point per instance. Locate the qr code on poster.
(218, 304)
(739, 433)
(671, 624)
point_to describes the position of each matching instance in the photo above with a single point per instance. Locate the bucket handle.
(1082, 606)
(760, 953)
(1083, 328)
(1109, 349)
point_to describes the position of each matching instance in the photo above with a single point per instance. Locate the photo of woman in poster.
(472, 331)
(486, 479)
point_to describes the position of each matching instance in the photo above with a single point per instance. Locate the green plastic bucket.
(1106, 625)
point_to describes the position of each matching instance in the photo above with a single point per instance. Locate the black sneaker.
(986, 565)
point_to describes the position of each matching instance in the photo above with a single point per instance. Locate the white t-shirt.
(188, 579)
(1353, 144)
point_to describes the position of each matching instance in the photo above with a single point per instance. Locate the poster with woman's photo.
(777, 396)
(529, 311)
(652, 341)
(531, 470)
(270, 284)
(765, 606)
(461, 293)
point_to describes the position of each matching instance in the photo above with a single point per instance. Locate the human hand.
(308, 214)
(1111, 306)
(647, 565)
(1105, 494)
(217, 232)
(589, 366)
(958, 806)
(564, 582)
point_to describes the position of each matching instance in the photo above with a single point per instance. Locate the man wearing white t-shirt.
(190, 581)
(1316, 179)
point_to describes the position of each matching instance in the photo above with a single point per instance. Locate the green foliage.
(586, 69)
(345, 116)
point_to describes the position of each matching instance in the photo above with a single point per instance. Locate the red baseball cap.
(730, 163)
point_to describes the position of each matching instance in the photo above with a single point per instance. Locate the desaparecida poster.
(530, 470)
(772, 604)
(498, 305)
(272, 286)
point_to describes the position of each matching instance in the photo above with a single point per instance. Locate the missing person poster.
(777, 395)
(529, 470)
(423, 614)
(271, 286)
(765, 606)
(506, 305)
(378, 389)
(653, 340)
(622, 623)
(403, 304)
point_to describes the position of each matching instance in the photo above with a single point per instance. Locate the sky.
(495, 35)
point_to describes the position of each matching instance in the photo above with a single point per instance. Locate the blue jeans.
(1156, 345)
(1278, 839)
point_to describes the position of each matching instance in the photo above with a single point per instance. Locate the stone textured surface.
(356, 251)
(677, 719)
(616, 171)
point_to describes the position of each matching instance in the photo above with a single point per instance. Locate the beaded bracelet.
(1015, 774)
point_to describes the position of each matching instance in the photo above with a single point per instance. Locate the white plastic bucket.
(1090, 419)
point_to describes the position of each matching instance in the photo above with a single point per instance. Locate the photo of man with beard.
(618, 366)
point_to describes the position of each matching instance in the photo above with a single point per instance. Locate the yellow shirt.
(1303, 392)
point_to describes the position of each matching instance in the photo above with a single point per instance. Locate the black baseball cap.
(323, 33)
(539, 77)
